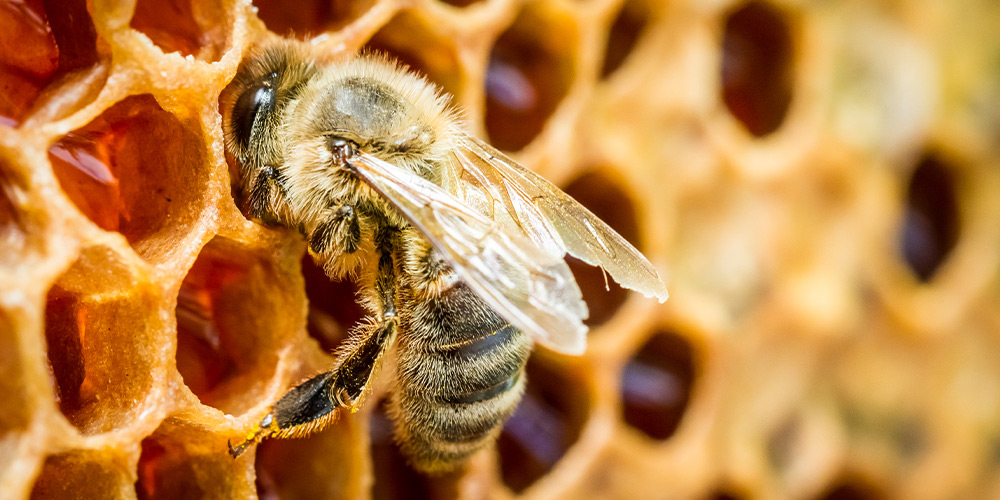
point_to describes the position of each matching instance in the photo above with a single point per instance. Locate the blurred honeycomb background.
(818, 180)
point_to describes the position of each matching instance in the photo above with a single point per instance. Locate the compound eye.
(254, 102)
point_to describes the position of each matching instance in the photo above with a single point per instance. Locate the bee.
(458, 251)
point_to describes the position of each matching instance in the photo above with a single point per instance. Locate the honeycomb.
(819, 181)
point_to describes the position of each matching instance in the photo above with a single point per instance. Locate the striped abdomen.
(460, 374)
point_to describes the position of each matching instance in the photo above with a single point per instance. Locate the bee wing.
(530, 287)
(516, 196)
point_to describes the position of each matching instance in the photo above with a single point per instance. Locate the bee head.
(266, 80)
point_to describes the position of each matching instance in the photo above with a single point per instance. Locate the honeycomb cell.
(612, 204)
(544, 427)
(309, 18)
(530, 70)
(657, 384)
(931, 222)
(74, 33)
(335, 456)
(234, 310)
(333, 306)
(138, 170)
(625, 32)
(87, 474)
(29, 57)
(181, 460)
(190, 28)
(757, 55)
(99, 351)
(410, 40)
(40, 41)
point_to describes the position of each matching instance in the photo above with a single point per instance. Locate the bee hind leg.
(311, 405)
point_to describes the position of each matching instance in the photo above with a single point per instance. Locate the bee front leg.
(261, 198)
(310, 406)
(340, 228)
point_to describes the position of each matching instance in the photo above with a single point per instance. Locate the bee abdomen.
(460, 375)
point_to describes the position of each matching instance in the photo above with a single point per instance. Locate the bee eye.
(252, 103)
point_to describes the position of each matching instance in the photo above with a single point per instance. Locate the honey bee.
(457, 250)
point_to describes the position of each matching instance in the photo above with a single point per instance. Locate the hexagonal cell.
(757, 76)
(101, 350)
(333, 306)
(28, 57)
(190, 28)
(656, 385)
(394, 478)
(545, 425)
(40, 40)
(181, 460)
(604, 197)
(138, 170)
(83, 474)
(625, 31)
(530, 71)
(234, 311)
(309, 18)
(336, 457)
(931, 223)
(409, 39)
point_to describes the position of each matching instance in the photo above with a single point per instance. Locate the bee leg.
(261, 194)
(340, 228)
(310, 406)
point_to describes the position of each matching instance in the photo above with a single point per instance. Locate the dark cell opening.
(625, 32)
(135, 169)
(852, 490)
(99, 357)
(309, 18)
(229, 311)
(40, 41)
(757, 55)
(656, 385)
(931, 222)
(602, 196)
(460, 3)
(409, 40)
(529, 73)
(78, 475)
(726, 494)
(183, 461)
(174, 26)
(543, 428)
(334, 455)
(333, 306)
(394, 478)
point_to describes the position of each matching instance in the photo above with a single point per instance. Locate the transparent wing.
(527, 285)
(527, 203)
